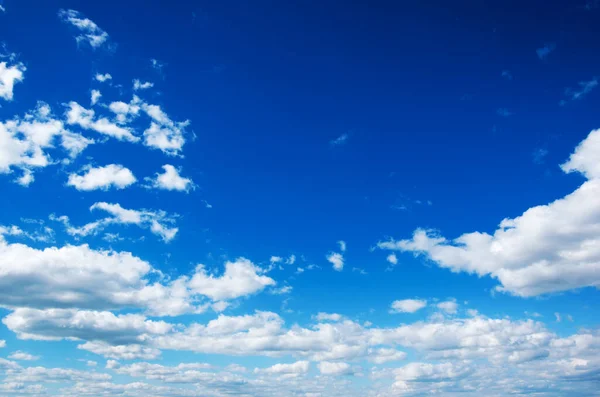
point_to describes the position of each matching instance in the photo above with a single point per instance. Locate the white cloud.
(95, 97)
(549, 248)
(2, 343)
(103, 77)
(408, 305)
(287, 289)
(334, 368)
(26, 142)
(157, 221)
(342, 245)
(138, 85)
(126, 112)
(426, 372)
(337, 260)
(89, 32)
(23, 356)
(85, 118)
(328, 317)
(170, 179)
(291, 260)
(299, 367)
(163, 133)
(449, 306)
(103, 178)
(241, 278)
(121, 352)
(9, 76)
(392, 259)
(385, 355)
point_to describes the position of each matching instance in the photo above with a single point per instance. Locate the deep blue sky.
(444, 106)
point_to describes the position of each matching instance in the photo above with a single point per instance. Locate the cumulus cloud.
(26, 142)
(549, 248)
(449, 306)
(138, 85)
(407, 305)
(170, 179)
(241, 278)
(23, 356)
(95, 97)
(163, 133)
(9, 76)
(103, 77)
(334, 368)
(297, 368)
(328, 317)
(103, 178)
(88, 31)
(337, 260)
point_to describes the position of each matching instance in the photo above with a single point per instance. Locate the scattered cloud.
(449, 306)
(407, 305)
(337, 260)
(9, 76)
(138, 85)
(23, 356)
(585, 87)
(95, 97)
(103, 77)
(88, 31)
(504, 112)
(507, 74)
(170, 179)
(539, 155)
(102, 178)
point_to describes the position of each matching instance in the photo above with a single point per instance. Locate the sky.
(299, 198)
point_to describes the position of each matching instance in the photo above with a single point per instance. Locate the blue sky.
(299, 199)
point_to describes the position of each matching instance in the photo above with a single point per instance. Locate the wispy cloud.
(544, 51)
(539, 155)
(585, 87)
(507, 74)
(89, 32)
(340, 140)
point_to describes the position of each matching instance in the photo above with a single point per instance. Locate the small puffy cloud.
(340, 140)
(138, 85)
(2, 343)
(544, 52)
(407, 305)
(342, 245)
(337, 260)
(297, 368)
(23, 356)
(103, 178)
(9, 76)
(103, 77)
(328, 317)
(170, 179)
(385, 355)
(449, 306)
(95, 97)
(121, 352)
(334, 368)
(392, 259)
(291, 260)
(241, 278)
(88, 31)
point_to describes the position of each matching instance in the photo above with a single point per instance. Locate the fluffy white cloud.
(407, 305)
(549, 248)
(23, 356)
(164, 133)
(121, 352)
(95, 97)
(2, 343)
(9, 76)
(241, 278)
(85, 118)
(328, 317)
(426, 372)
(299, 367)
(25, 142)
(112, 175)
(334, 368)
(385, 355)
(449, 306)
(170, 179)
(89, 32)
(342, 245)
(337, 260)
(138, 85)
(157, 221)
(102, 77)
